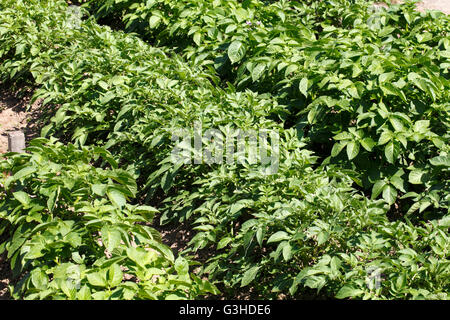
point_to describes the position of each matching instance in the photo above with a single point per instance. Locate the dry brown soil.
(16, 113)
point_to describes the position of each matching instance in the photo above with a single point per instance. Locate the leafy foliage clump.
(326, 76)
(372, 82)
(74, 234)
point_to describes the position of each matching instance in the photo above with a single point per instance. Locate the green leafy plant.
(74, 235)
(374, 82)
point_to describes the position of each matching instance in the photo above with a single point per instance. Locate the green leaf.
(52, 199)
(352, 149)
(287, 252)
(230, 28)
(162, 248)
(148, 212)
(39, 279)
(114, 275)
(236, 51)
(257, 71)
(97, 279)
(368, 143)
(385, 137)
(389, 194)
(111, 237)
(22, 197)
(322, 237)
(335, 264)
(424, 37)
(249, 276)
(385, 77)
(441, 161)
(313, 113)
(278, 236)
(337, 148)
(154, 21)
(445, 222)
(84, 293)
(24, 173)
(377, 188)
(103, 85)
(181, 266)
(282, 15)
(236, 207)
(107, 97)
(397, 123)
(398, 183)
(260, 236)
(401, 281)
(99, 189)
(116, 197)
(415, 176)
(167, 181)
(197, 38)
(224, 242)
(391, 151)
(140, 256)
(303, 86)
(421, 126)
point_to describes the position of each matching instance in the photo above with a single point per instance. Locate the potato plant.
(369, 86)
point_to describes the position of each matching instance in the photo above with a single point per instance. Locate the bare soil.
(16, 113)
(5, 276)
